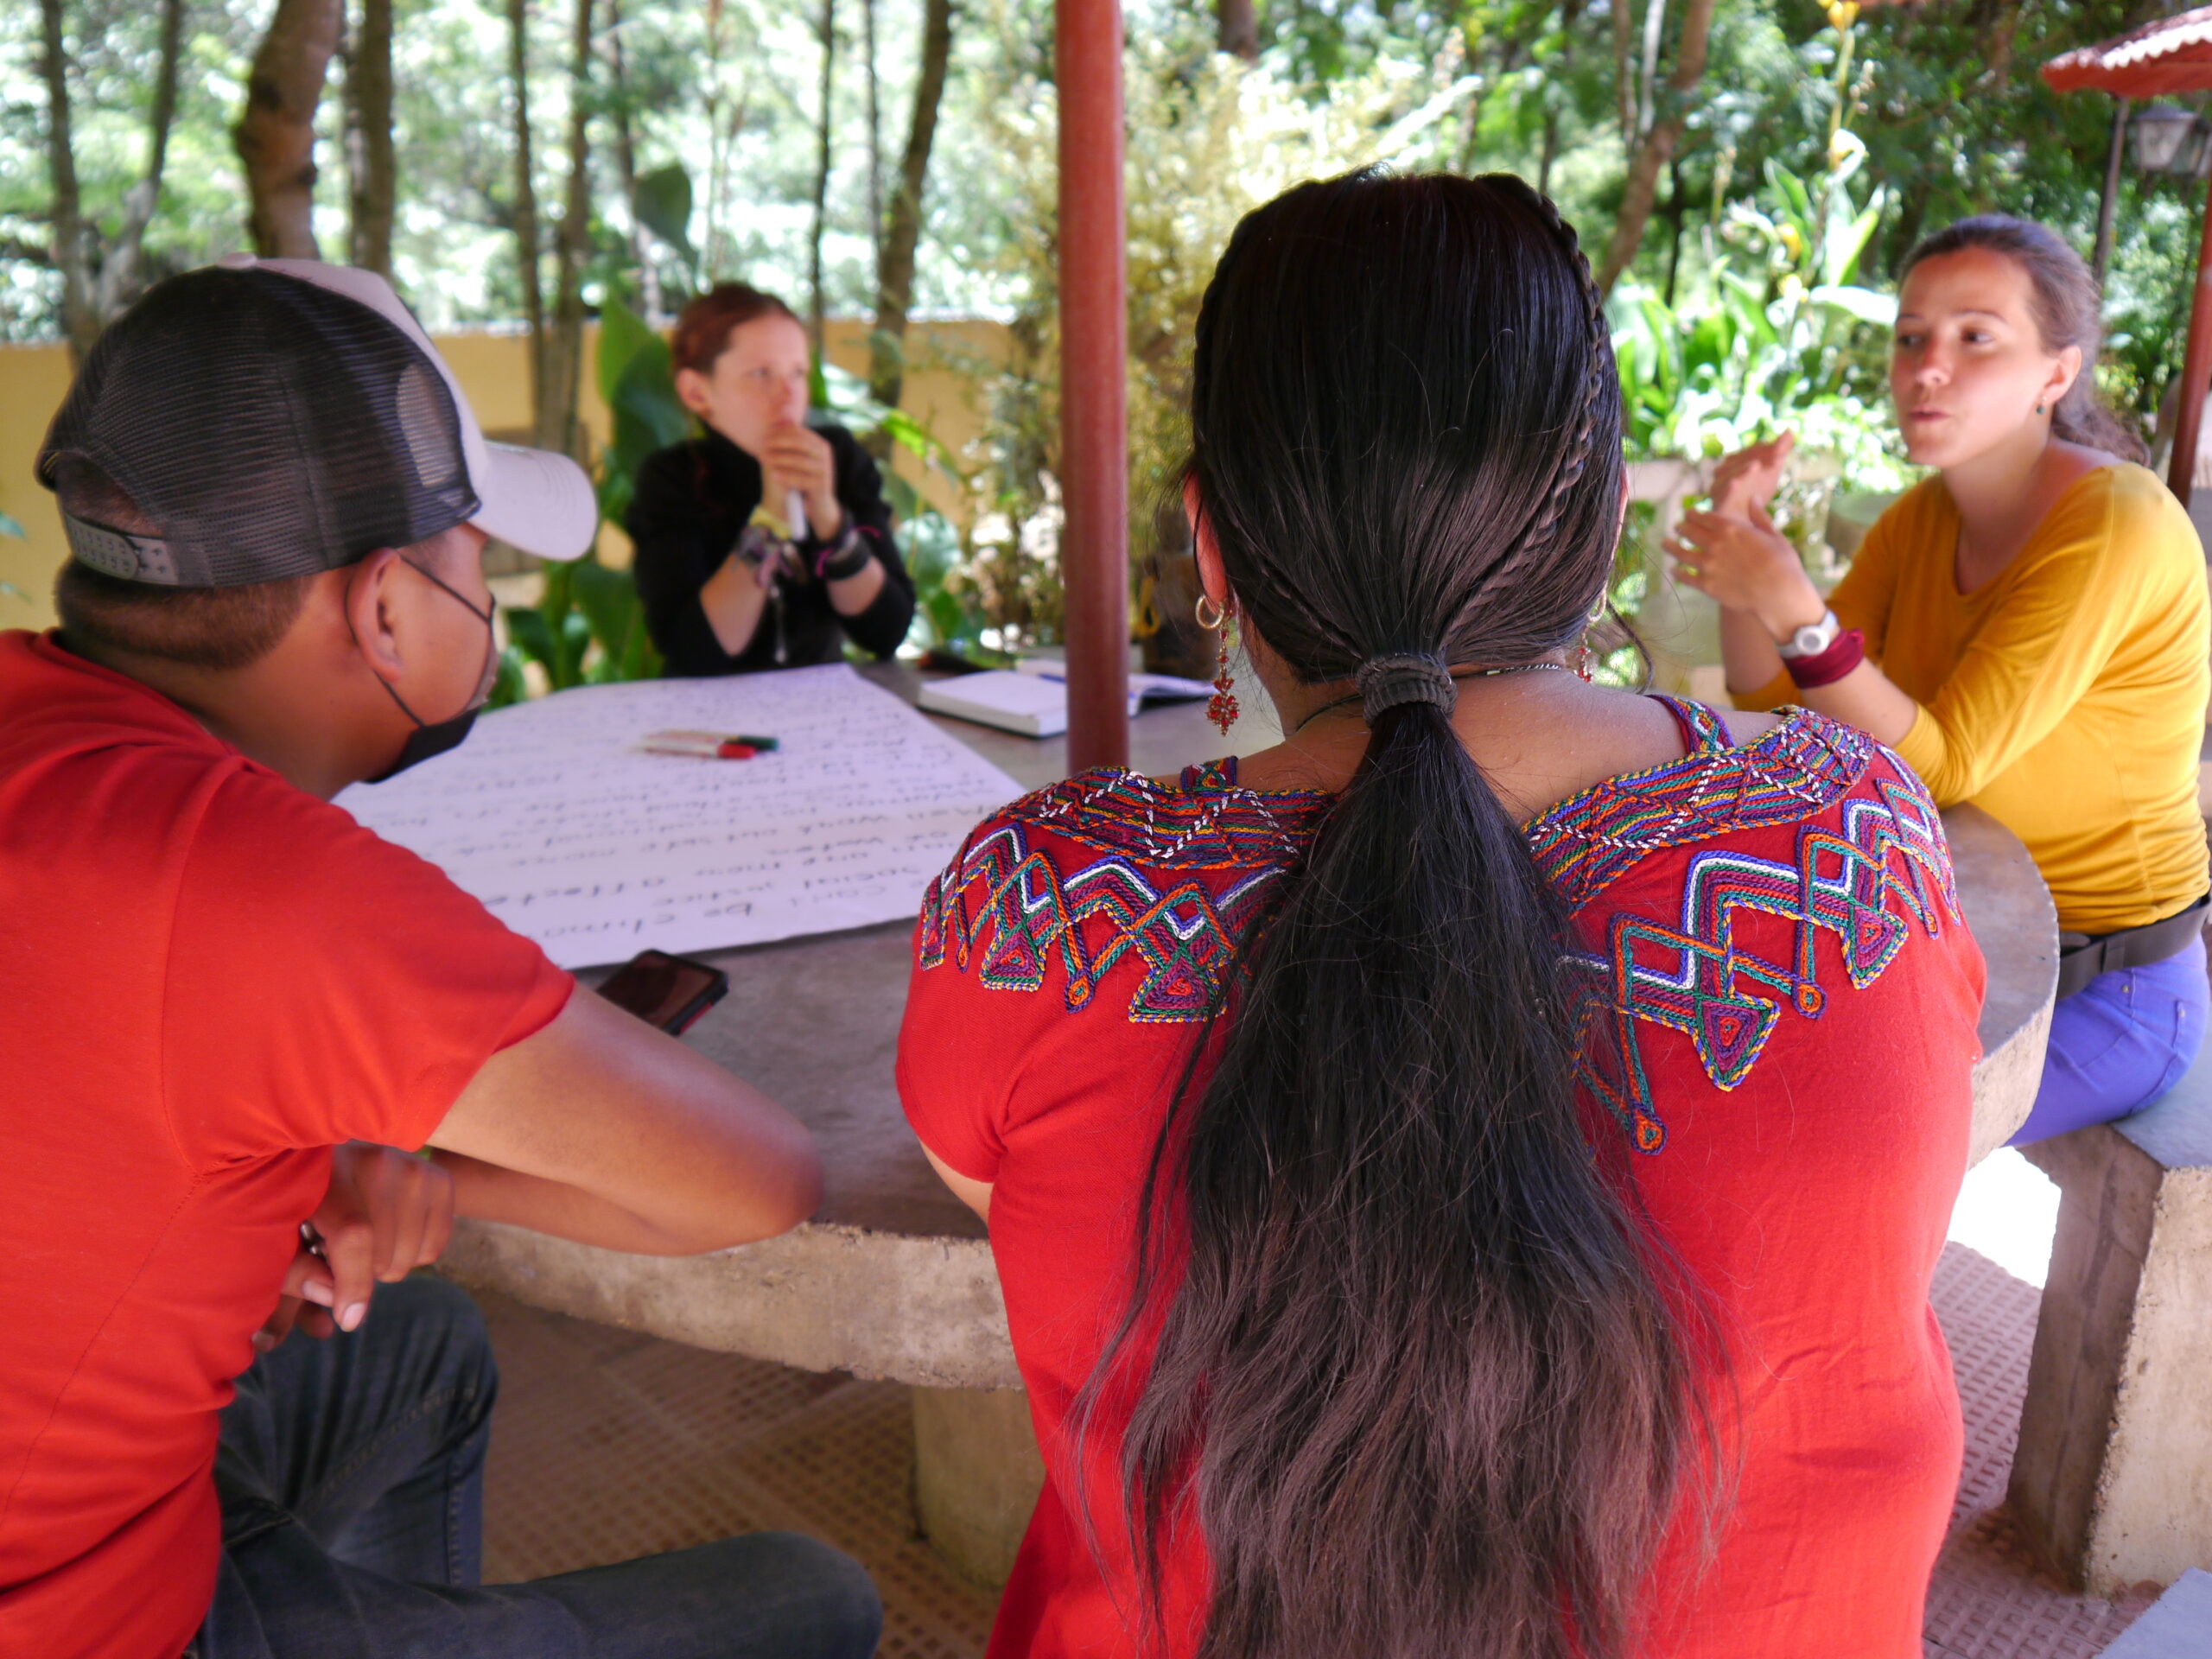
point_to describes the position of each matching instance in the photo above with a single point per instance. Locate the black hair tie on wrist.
(847, 557)
(1386, 681)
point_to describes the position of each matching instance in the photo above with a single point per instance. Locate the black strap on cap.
(1386, 681)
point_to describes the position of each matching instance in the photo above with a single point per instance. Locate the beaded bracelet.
(1845, 652)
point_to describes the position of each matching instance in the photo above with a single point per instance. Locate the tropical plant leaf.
(622, 332)
(532, 636)
(608, 601)
(508, 684)
(1863, 303)
(664, 202)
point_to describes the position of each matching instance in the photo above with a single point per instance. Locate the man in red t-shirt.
(226, 1010)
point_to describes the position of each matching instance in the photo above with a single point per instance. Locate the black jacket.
(691, 501)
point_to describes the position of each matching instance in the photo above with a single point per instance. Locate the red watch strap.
(1845, 652)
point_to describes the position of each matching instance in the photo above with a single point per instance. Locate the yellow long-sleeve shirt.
(2066, 697)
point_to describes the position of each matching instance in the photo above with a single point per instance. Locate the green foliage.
(588, 629)
(948, 617)
(1754, 346)
(1773, 334)
(1210, 138)
(1816, 150)
(637, 379)
(664, 203)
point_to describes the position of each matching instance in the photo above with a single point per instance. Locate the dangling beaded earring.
(1582, 644)
(1222, 708)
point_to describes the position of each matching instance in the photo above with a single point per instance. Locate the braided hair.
(1400, 1345)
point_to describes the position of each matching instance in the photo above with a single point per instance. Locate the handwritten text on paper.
(553, 816)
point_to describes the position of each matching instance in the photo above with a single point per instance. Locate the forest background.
(1745, 174)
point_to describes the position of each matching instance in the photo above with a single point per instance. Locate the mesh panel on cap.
(267, 427)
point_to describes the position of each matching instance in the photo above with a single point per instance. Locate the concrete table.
(2112, 1482)
(893, 1279)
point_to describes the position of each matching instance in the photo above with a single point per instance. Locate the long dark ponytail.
(1418, 1376)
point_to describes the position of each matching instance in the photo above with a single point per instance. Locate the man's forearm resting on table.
(601, 1128)
(488, 1192)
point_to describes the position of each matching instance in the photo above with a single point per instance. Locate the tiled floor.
(1989, 1600)
(609, 1445)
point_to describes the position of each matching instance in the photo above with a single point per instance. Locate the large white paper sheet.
(554, 818)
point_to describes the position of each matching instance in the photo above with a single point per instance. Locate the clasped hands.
(384, 1215)
(796, 457)
(1732, 553)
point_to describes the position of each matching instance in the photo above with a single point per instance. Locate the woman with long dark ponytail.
(1465, 1180)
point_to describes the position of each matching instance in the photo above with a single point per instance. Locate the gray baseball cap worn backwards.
(278, 417)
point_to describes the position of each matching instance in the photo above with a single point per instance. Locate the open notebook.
(1032, 699)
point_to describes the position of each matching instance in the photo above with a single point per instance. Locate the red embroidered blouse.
(1778, 939)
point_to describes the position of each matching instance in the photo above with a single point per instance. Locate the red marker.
(706, 746)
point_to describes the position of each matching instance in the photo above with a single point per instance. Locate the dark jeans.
(352, 1479)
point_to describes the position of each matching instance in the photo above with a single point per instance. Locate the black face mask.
(435, 737)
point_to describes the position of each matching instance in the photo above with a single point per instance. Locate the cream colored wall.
(33, 381)
(494, 370)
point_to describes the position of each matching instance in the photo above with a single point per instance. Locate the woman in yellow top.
(2028, 629)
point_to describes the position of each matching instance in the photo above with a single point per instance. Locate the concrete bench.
(2113, 1479)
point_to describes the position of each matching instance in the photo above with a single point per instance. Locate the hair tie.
(1386, 681)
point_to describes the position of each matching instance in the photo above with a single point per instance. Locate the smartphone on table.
(669, 992)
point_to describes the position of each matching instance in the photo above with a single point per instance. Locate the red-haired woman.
(2028, 628)
(733, 578)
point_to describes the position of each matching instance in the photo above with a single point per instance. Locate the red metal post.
(1094, 403)
(2195, 368)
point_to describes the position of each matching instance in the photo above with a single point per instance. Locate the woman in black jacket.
(729, 588)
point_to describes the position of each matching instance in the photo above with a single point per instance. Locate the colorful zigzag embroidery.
(1888, 867)
(1005, 905)
(1180, 872)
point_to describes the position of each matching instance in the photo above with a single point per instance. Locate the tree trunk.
(276, 135)
(816, 315)
(1560, 75)
(1240, 27)
(2000, 25)
(1658, 146)
(717, 157)
(2115, 149)
(1623, 72)
(374, 178)
(1654, 29)
(90, 303)
(1674, 214)
(894, 272)
(527, 245)
(874, 133)
(78, 319)
(558, 426)
(625, 158)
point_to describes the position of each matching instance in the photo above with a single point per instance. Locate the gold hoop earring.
(1220, 613)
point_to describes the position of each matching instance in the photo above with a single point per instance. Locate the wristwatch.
(1811, 639)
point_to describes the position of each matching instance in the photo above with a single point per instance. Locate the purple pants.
(2119, 1043)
